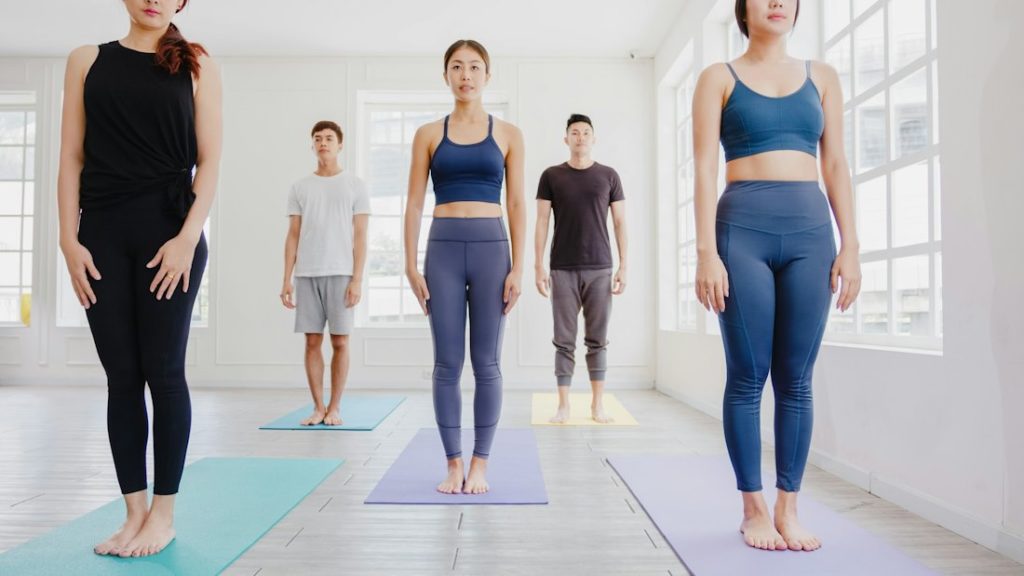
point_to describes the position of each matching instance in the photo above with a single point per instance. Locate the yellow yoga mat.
(545, 406)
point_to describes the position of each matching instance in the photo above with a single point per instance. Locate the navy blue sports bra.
(468, 172)
(753, 123)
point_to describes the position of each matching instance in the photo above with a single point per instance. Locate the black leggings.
(140, 339)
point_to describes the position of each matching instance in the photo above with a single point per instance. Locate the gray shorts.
(320, 300)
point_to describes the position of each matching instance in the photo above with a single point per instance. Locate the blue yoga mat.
(693, 502)
(225, 505)
(357, 413)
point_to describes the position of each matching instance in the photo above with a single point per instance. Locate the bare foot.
(561, 416)
(598, 414)
(317, 417)
(332, 418)
(759, 532)
(795, 535)
(155, 535)
(476, 480)
(453, 482)
(121, 538)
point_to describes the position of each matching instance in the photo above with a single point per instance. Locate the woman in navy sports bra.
(767, 261)
(467, 155)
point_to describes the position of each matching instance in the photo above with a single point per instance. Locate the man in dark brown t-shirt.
(580, 192)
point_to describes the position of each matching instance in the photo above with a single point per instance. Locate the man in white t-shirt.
(326, 252)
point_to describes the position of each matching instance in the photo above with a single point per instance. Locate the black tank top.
(140, 133)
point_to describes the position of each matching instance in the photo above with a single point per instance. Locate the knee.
(314, 342)
(595, 345)
(339, 344)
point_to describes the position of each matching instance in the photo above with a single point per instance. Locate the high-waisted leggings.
(140, 339)
(467, 264)
(775, 239)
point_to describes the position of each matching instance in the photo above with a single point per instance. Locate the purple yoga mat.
(693, 502)
(513, 472)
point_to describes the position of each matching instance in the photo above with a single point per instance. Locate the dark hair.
(578, 118)
(327, 125)
(173, 52)
(741, 16)
(472, 45)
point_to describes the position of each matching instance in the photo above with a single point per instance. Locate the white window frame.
(26, 103)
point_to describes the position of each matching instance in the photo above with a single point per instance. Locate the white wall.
(939, 434)
(268, 109)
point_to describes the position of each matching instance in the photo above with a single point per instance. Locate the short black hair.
(578, 118)
(741, 16)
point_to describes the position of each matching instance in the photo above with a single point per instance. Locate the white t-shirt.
(327, 205)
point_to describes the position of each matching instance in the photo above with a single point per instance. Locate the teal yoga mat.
(224, 506)
(357, 413)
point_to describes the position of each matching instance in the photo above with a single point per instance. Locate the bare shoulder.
(716, 74)
(81, 59)
(430, 131)
(507, 130)
(824, 76)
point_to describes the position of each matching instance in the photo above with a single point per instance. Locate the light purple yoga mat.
(694, 503)
(513, 471)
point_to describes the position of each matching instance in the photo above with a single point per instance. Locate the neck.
(468, 111)
(581, 161)
(142, 39)
(767, 49)
(328, 168)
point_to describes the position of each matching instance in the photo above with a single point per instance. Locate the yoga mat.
(225, 505)
(693, 502)
(545, 406)
(357, 413)
(513, 471)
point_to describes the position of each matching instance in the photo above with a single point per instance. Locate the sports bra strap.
(808, 68)
(729, 66)
(446, 127)
(490, 125)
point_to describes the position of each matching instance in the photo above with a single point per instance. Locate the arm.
(175, 256)
(72, 159)
(418, 173)
(712, 282)
(360, 222)
(540, 242)
(836, 174)
(619, 221)
(516, 215)
(291, 249)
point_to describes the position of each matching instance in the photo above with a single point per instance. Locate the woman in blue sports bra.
(467, 155)
(767, 262)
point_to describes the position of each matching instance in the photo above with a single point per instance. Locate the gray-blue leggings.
(467, 263)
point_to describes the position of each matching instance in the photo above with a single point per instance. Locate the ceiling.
(528, 28)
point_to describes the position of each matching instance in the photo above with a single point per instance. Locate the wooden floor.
(55, 466)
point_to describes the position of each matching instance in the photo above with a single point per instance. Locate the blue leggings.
(775, 239)
(467, 262)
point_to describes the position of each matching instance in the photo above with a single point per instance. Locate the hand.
(543, 282)
(619, 282)
(513, 288)
(712, 283)
(354, 293)
(846, 267)
(175, 261)
(288, 295)
(419, 287)
(81, 267)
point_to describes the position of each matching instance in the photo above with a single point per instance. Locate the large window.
(17, 203)
(885, 53)
(388, 125)
(686, 249)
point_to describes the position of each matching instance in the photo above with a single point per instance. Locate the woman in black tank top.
(141, 115)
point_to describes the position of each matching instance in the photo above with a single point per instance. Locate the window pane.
(839, 57)
(10, 233)
(869, 52)
(10, 198)
(26, 269)
(682, 270)
(937, 198)
(909, 101)
(860, 6)
(12, 127)
(386, 206)
(386, 127)
(383, 305)
(26, 234)
(871, 137)
(938, 294)
(411, 311)
(873, 302)
(910, 205)
(837, 16)
(385, 268)
(10, 305)
(30, 129)
(872, 221)
(11, 162)
(30, 163)
(684, 229)
(906, 32)
(910, 283)
(842, 322)
(385, 234)
(30, 198)
(10, 268)
(388, 171)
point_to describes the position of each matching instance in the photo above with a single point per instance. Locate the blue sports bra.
(468, 172)
(753, 123)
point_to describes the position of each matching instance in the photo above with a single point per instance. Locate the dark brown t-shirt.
(580, 200)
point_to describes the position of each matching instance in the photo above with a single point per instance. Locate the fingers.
(512, 296)
(166, 284)
(86, 288)
(91, 268)
(184, 281)
(719, 297)
(701, 296)
(835, 279)
(156, 260)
